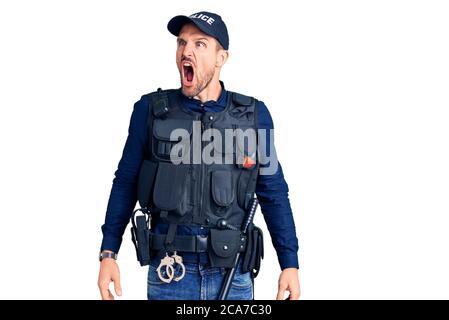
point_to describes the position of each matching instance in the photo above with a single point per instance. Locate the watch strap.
(104, 255)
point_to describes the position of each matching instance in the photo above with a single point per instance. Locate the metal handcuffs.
(168, 262)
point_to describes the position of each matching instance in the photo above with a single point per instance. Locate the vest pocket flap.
(222, 187)
(169, 185)
(224, 243)
(162, 128)
(146, 180)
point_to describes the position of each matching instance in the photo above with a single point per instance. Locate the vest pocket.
(146, 181)
(246, 186)
(170, 186)
(222, 187)
(242, 185)
(163, 142)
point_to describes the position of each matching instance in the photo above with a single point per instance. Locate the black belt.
(195, 244)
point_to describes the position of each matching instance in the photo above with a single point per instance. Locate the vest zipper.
(201, 175)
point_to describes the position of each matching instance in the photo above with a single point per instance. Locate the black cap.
(208, 22)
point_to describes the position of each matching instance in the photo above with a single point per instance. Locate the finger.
(280, 295)
(105, 294)
(281, 291)
(117, 286)
(294, 295)
(103, 284)
(295, 292)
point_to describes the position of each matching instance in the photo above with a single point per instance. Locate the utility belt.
(221, 245)
(193, 244)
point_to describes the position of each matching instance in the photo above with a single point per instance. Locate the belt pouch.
(224, 245)
(255, 251)
(141, 235)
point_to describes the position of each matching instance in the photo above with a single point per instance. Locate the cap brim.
(176, 23)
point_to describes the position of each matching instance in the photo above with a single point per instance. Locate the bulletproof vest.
(204, 194)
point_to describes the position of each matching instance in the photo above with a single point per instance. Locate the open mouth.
(188, 73)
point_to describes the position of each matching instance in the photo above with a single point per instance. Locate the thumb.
(117, 285)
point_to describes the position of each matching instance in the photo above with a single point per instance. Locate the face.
(198, 56)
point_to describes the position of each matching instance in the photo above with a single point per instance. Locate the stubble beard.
(203, 82)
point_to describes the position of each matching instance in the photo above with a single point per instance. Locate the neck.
(211, 92)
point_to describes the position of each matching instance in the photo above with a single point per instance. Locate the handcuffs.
(168, 262)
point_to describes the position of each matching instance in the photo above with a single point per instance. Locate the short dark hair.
(219, 46)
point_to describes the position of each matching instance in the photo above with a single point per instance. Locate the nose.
(188, 50)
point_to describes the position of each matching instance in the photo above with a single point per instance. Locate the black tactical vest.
(197, 194)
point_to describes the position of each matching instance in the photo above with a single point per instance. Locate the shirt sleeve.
(123, 198)
(272, 193)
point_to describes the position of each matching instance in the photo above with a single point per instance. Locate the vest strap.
(160, 104)
(241, 99)
(170, 237)
(242, 105)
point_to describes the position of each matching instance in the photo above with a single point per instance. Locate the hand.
(109, 271)
(288, 281)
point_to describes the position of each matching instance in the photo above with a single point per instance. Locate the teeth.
(187, 64)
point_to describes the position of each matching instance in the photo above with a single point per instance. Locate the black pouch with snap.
(224, 245)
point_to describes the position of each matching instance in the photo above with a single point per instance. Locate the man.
(188, 201)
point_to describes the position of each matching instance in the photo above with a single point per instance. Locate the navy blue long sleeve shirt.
(271, 190)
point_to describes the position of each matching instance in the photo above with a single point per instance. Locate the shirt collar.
(210, 105)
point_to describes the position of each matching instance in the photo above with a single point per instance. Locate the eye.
(201, 44)
(181, 43)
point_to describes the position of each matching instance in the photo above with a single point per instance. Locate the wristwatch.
(104, 254)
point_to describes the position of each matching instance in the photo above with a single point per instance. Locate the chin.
(188, 91)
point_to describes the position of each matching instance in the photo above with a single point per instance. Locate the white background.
(358, 91)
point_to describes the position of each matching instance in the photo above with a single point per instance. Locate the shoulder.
(142, 105)
(263, 114)
(242, 99)
(146, 98)
(246, 99)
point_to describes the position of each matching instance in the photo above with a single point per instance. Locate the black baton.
(227, 281)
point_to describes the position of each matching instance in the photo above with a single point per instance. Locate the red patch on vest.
(248, 162)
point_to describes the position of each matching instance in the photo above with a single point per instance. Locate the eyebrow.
(202, 38)
(196, 39)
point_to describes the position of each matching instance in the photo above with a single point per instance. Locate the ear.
(222, 57)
